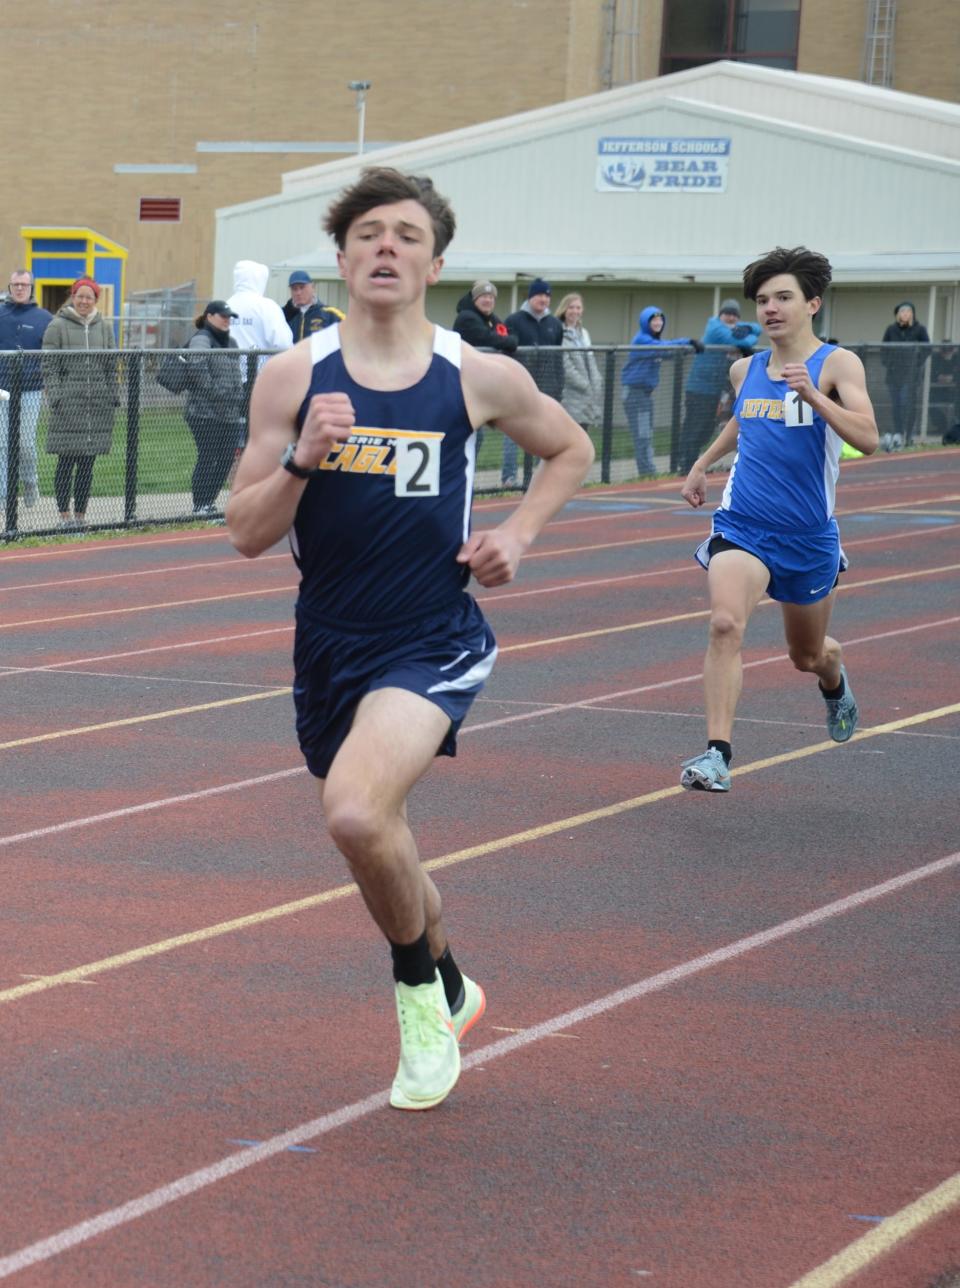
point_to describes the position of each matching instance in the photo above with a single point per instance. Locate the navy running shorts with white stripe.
(445, 658)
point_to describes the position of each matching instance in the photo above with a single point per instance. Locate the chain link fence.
(142, 436)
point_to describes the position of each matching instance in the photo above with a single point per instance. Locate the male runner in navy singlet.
(774, 533)
(362, 448)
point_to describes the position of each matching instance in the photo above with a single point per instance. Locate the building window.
(159, 210)
(750, 31)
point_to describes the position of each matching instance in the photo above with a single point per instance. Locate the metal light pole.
(360, 89)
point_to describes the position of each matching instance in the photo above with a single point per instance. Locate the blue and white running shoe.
(707, 772)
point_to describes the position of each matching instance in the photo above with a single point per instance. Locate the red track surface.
(676, 1081)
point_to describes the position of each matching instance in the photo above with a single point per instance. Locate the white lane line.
(185, 680)
(141, 652)
(585, 584)
(541, 710)
(236, 562)
(191, 1183)
(146, 807)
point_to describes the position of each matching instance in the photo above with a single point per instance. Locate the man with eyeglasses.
(22, 324)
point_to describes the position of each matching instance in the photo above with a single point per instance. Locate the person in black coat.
(541, 334)
(536, 328)
(904, 368)
(477, 322)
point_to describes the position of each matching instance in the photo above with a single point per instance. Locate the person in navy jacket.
(22, 324)
(305, 313)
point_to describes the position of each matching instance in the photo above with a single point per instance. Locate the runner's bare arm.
(498, 391)
(852, 417)
(264, 497)
(694, 490)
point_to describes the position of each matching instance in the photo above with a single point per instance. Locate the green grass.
(165, 459)
(167, 453)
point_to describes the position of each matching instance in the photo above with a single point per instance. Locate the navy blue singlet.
(372, 554)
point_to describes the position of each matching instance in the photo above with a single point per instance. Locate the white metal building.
(661, 192)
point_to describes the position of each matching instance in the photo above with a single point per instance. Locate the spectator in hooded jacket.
(904, 368)
(640, 377)
(582, 382)
(260, 323)
(81, 387)
(708, 376)
(303, 311)
(214, 407)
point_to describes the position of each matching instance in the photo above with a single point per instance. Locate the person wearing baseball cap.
(304, 312)
(220, 308)
(708, 376)
(214, 406)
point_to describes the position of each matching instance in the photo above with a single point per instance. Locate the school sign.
(639, 164)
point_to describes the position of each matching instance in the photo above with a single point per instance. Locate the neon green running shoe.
(429, 1055)
(474, 1005)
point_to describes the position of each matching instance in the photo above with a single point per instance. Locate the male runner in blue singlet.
(362, 448)
(774, 533)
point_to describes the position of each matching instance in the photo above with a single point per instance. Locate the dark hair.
(383, 186)
(812, 271)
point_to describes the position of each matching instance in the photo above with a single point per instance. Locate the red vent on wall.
(164, 210)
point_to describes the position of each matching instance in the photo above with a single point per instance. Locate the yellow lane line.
(886, 1236)
(77, 973)
(136, 720)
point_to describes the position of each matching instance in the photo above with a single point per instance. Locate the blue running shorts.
(446, 658)
(803, 566)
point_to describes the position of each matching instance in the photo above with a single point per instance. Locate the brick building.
(138, 121)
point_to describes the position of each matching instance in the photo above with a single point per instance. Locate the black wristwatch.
(291, 466)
